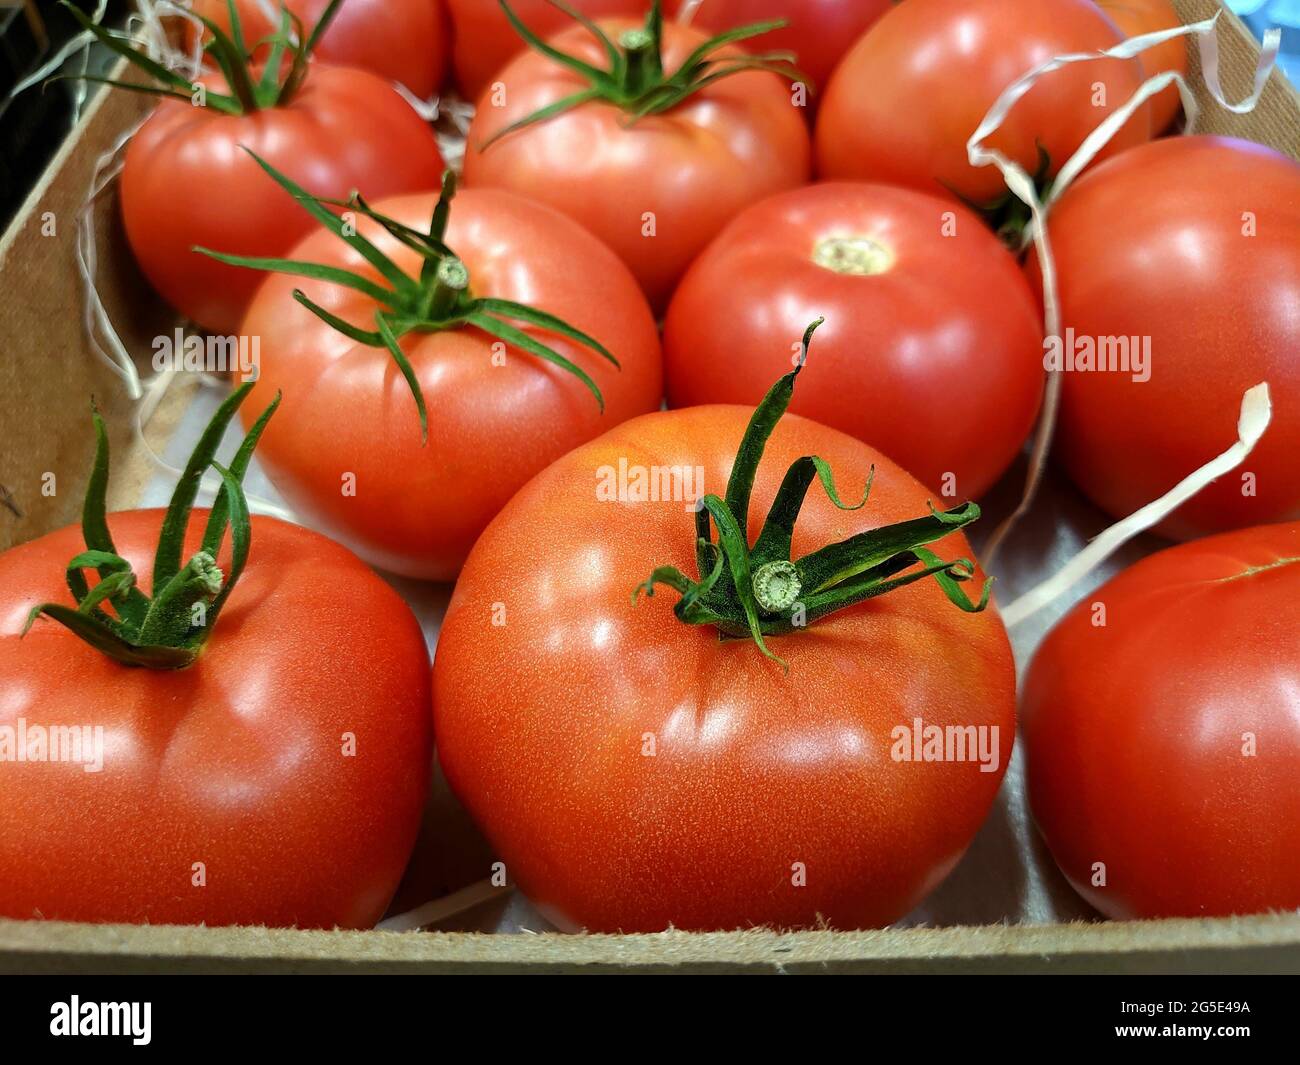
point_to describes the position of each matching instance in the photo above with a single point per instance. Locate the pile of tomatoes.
(655, 202)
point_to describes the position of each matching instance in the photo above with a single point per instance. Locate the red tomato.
(497, 415)
(907, 98)
(1192, 244)
(235, 762)
(400, 40)
(552, 688)
(1163, 746)
(820, 32)
(185, 181)
(483, 41)
(932, 349)
(682, 174)
(1138, 17)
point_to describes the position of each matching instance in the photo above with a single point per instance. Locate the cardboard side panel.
(1269, 943)
(1276, 119)
(48, 371)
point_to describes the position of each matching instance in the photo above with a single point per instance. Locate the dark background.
(33, 123)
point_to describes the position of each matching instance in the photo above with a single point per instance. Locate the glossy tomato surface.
(483, 41)
(344, 448)
(656, 191)
(931, 351)
(1193, 245)
(1163, 746)
(400, 40)
(907, 98)
(186, 181)
(634, 772)
(232, 772)
(1138, 17)
(819, 32)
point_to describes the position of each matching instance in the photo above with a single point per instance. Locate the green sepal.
(634, 78)
(423, 304)
(159, 631)
(232, 56)
(760, 592)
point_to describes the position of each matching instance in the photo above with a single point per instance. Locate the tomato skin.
(1134, 732)
(186, 181)
(937, 361)
(347, 410)
(904, 102)
(1137, 17)
(1152, 244)
(541, 723)
(234, 762)
(399, 40)
(483, 41)
(820, 32)
(693, 168)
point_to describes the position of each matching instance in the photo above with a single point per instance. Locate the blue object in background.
(1261, 15)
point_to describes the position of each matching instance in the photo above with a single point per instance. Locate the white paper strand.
(686, 13)
(97, 322)
(1022, 186)
(431, 913)
(1256, 413)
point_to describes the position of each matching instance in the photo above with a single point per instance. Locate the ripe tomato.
(345, 447)
(656, 191)
(1190, 244)
(185, 181)
(633, 771)
(907, 98)
(1138, 17)
(483, 41)
(820, 32)
(236, 762)
(400, 40)
(1163, 746)
(919, 298)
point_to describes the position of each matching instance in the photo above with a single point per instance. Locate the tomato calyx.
(169, 629)
(751, 592)
(439, 299)
(249, 92)
(634, 79)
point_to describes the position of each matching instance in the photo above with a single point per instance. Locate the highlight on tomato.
(1162, 732)
(1138, 17)
(817, 32)
(483, 41)
(905, 101)
(185, 182)
(400, 40)
(1178, 264)
(434, 359)
(650, 134)
(227, 723)
(814, 731)
(932, 349)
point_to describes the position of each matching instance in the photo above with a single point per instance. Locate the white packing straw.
(1022, 186)
(1256, 413)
